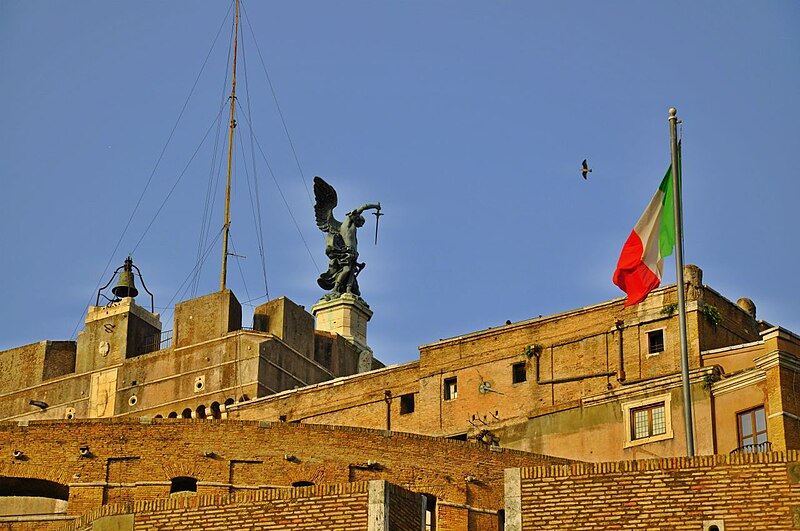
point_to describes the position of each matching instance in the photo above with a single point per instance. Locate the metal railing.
(156, 342)
(765, 446)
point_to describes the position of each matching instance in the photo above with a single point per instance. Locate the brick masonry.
(744, 491)
(135, 461)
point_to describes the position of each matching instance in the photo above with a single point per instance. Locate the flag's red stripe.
(632, 275)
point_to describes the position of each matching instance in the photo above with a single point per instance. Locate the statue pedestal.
(347, 316)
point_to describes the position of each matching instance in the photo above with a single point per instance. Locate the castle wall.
(357, 400)
(133, 461)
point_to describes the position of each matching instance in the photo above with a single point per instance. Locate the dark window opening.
(430, 512)
(172, 415)
(201, 411)
(519, 373)
(460, 437)
(451, 388)
(406, 404)
(187, 413)
(713, 528)
(752, 430)
(655, 341)
(303, 484)
(40, 488)
(501, 520)
(229, 401)
(648, 421)
(215, 410)
(183, 484)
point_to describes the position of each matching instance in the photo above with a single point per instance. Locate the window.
(28, 496)
(518, 373)
(450, 388)
(752, 429)
(648, 421)
(406, 404)
(655, 341)
(183, 486)
(430, 512)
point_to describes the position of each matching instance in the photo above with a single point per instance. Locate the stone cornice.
(777, 331)
(778, 358)
(738, 381)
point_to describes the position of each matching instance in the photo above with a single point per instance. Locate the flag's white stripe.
(648, 228)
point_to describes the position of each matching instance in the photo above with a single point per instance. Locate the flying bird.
(586, 169)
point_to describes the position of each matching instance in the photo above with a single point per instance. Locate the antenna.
(227, 227)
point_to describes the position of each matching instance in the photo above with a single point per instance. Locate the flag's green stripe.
(666, 237)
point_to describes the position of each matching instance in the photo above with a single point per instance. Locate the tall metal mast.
(677, 200)
(227, 227)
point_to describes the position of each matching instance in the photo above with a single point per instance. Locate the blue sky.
(467, 120)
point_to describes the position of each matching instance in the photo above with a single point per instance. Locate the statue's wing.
(325, 201)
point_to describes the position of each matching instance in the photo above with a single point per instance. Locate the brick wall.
(134, 462)
(406, 509)
(746, 492)
(334, 507)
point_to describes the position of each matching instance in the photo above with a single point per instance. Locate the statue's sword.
(377, 215)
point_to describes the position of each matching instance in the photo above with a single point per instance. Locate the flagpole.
(678, 206)
(226, 228)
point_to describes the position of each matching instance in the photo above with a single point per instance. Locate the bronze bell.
(125, 286)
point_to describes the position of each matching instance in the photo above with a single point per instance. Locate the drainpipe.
(621, 374)
(387, 397)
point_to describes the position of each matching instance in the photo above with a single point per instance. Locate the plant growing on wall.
(669, 309)
(533, 350)
(710, 379)
(712, 315)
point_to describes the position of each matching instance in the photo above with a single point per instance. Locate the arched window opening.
(215, 410)
(201, 411)
(229, 402)
(187, 413)
(303, 484)
(172, 415)
(159, 416)
(244, 398)
(183, 486)
(27, 496)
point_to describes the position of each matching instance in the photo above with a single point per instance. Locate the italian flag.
(642, 259)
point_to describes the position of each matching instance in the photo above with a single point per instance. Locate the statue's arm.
(368, 206)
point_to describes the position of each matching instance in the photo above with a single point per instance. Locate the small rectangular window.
(648, 421)
(406, 404)
(519, 373)
(451, 388)
(655, 341)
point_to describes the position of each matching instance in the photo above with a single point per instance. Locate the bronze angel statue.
(341, 244)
